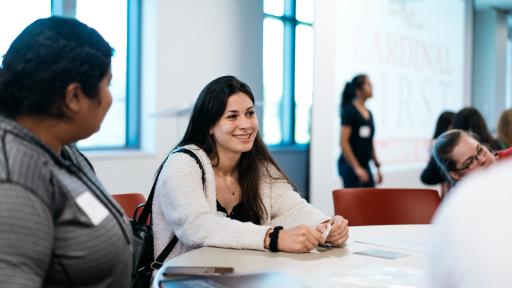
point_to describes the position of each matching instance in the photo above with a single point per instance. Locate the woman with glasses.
(458, 153)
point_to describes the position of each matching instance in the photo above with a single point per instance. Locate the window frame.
(290, 23)
(67, 8)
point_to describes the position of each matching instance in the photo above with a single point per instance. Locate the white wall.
(321, 159)
(185, 45)
(411, 87)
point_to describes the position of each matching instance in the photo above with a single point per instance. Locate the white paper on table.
(414, 243)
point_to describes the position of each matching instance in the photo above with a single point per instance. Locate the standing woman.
(58, 225)
(244, 200)
(356, 139)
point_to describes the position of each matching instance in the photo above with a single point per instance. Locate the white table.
(334, 267)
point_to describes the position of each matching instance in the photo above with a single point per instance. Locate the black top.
(432, 174)
(361, 138)
(237, 213)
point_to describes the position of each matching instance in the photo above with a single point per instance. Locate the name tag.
(364, 131)
(92, 207)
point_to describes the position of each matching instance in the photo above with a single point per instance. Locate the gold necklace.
(230, 189)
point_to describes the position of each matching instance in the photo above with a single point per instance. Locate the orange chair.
(383, 206)
(129, 202)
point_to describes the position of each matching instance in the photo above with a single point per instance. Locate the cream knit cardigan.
(182, 207)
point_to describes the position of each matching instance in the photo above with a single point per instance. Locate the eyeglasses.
(471, 161)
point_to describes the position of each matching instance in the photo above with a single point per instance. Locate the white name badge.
(92, 207)
(364, 131)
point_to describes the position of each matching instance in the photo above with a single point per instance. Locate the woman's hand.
(378, 176)
(362, 174)
(339, 230)
(299, 239)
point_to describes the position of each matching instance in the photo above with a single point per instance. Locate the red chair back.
(129, 202)
(384, 206)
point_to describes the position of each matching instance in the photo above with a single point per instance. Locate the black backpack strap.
(163, 255)
(149, 205)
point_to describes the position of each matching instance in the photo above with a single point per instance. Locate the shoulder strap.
(148, 207)
(163, 255)
(147, 210)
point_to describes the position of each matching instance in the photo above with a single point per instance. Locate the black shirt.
(361, 138)
(238, 213)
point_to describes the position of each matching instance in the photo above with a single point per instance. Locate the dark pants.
(350, 179)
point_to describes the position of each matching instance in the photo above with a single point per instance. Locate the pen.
(327, 231)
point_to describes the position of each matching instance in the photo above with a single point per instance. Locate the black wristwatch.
(274, 236)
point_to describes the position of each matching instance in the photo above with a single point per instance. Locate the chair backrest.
(385, 206)
(129, 202)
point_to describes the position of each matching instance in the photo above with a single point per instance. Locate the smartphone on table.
(197, 271)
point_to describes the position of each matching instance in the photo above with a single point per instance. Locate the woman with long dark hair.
(244, 201)
(356, 139)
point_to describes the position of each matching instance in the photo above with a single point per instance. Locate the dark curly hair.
(44, 59)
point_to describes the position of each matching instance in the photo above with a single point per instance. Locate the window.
(120, 129)
(18, 15)
(287, 71)
(508, 83)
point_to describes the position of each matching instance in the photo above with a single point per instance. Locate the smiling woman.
(458, 153)
(237, 128)
(245, 199)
